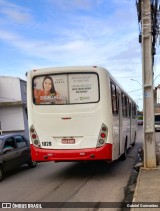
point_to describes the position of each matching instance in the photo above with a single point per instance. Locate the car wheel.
(32, 163)
(1, 173)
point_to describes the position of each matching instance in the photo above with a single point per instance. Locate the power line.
(134, 90)
(130, 76)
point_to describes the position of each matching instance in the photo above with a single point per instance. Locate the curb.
(136, 189)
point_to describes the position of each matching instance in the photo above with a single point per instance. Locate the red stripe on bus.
(101, 153)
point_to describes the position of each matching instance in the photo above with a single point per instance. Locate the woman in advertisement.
(48, 95)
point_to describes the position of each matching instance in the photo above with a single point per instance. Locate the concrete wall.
(12, 118)
(10, 89)
(23, 88)
(13, 105)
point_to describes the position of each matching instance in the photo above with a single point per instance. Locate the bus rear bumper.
(43, 155)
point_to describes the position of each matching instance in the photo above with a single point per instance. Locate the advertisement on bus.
(65, 89)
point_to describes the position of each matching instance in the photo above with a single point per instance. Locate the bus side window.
(129, 109)
(127, 104)
(123, 105)
(134, 110)
(114, 97)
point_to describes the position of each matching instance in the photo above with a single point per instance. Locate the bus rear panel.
(71, 115)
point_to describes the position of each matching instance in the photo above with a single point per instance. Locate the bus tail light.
(34, 137)
(102, 138)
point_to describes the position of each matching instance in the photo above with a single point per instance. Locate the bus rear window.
(71, 88)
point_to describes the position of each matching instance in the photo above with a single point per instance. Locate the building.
(157, 99)
(158, 94)
(13, 106)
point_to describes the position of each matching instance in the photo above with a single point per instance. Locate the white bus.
(78, 114)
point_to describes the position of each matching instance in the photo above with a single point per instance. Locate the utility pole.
(147, 72)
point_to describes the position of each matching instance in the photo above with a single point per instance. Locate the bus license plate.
(68, 141)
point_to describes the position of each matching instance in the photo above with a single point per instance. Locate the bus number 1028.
(47, 143)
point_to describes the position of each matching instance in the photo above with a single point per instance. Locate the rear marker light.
(103, 135)
(32, 130)
(104, 128)
(34, 136)
(102, 138)
(101, 141)
(36, 142)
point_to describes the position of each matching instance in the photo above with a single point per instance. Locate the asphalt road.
(70, 181)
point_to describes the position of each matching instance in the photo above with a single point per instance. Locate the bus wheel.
(124, 155)
(1, 173)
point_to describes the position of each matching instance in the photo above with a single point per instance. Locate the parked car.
(14, 152)
(140, 122)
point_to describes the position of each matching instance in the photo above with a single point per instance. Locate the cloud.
(6, 36)
(131, 51)
(44, 49)
(82, 42)
(17, 16)
(15, 13)
(75, 4)
(5, 3)
(93, 37)
(122, 2)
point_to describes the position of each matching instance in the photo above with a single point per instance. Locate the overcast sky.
(50, 33)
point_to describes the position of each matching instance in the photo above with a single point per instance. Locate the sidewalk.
(147, 191)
